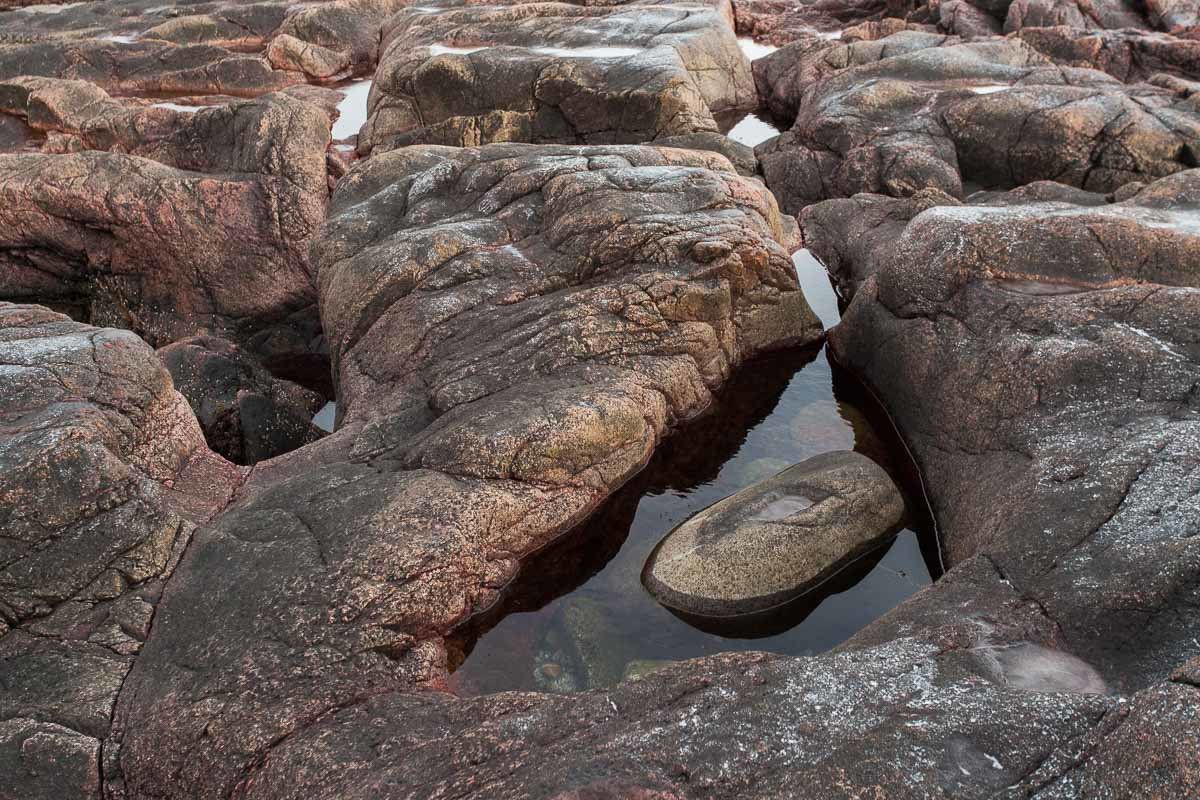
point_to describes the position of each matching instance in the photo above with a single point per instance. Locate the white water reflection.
(752, 131)
(817, 289)
(753, 49)
(989, 89)
(122, 38)
(326, 417)
(178, 107)
(352, 110)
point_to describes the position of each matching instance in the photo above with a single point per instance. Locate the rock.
(247, 414)
(192, 223)
(1089, 15)
(103, 476)
(353, 29)
(739, 155)
(1127, 55)
(583, 649)
(321, 63)
(779, 22)
(727, 716)
(245, 28)
(1070, 466)
(508, 353)
(45, 761)
(775, 540)
(146, 67)
(990, 112)
(854, 237)
(554, 74)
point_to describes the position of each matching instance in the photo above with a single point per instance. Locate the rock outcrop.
(103, 477)
(555, 73)
(1071, 464)
(772, 541)
(168, 223)
(507, 353)
(944, 114)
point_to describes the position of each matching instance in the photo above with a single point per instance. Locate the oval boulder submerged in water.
(775, 540)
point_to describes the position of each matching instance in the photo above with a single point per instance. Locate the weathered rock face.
(164, 222)
(1071, 464)
(779, 22)
(103, 476)
(239, 49)
(507, 354)
(554, 73)
(247, 414)
(989, 112)
(1127, 55)
(772, 541)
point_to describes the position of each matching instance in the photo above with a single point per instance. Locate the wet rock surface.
(772, 541)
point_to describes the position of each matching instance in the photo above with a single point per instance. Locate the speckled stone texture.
(508, 353)
(605, 74)
(934, 113)
(167, 223)
(776, 539)
(104, 475)
(1040, 358)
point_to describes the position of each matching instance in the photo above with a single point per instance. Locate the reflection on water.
(578, 617)
(752, 131)
(352, 110)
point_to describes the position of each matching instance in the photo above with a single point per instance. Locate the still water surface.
(578, 617)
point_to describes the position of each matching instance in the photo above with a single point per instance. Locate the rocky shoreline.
(537, 259)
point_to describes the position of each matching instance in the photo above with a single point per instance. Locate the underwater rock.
(584, 648)
(773, 541)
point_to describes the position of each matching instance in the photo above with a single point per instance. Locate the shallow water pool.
(578, 616)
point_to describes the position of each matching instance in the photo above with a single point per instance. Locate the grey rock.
(772, 541)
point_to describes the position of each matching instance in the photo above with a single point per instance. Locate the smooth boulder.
(773, 541)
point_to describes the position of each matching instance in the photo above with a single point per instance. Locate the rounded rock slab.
(775, 540)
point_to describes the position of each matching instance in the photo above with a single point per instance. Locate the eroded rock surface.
(555, 73)
(941, 114)
(508, 353)
(166, 222)
(1039, 357)
(772, 541)
(104, 475)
